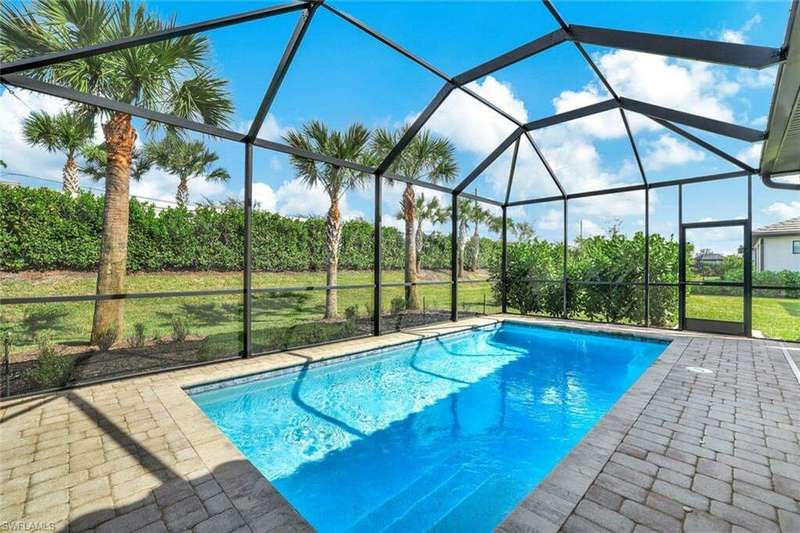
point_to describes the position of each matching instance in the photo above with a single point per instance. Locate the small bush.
(137, 340)
(180, 329)
(50, 368)
(351, 313)
(398, 305)
(106, 339)
(205, 351)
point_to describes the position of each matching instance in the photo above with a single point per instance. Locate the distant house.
(777, 247)
(708, 258)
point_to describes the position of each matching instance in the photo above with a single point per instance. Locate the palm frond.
(65, 132)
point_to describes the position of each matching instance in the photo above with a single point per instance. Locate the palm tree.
(65, 132)
(170, 76)
(350, 145)
(478, 215)
(95, 162)
(523, 230)
(187, 160)
(464, 217)
(427, 210)
(428, 158)
(433, 211)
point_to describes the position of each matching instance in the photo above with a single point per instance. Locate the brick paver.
(716, 452)
(139, 455)
(707, 452)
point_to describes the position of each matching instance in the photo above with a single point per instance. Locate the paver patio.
(681, 450)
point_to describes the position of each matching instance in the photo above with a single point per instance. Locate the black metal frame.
(738, 55)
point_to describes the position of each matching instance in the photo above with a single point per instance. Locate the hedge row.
(43, 229)
(616, 258)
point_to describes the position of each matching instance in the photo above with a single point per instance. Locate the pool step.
(398, 504)
(470, 514)
(430, 507)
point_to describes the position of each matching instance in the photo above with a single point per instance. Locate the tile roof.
(787, 227)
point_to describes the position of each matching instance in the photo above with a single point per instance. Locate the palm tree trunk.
(70, 176)
(418, 242)
(462, 242)
(182, 196)
(476, 252)
(333, 236)
(120, 137)
(410, 215)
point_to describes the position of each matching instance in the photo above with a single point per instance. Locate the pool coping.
(198, 451)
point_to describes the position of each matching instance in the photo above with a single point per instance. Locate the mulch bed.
(92, 364)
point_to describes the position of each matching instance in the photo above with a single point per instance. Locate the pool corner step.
(471, 512)
(401, 501)
(431, 507)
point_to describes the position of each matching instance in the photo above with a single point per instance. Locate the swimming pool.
(445, 434)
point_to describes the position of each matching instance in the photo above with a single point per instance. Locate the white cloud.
(271, 129)
(17, 154)
(751, 155)
(159, 188)
(759, 122)
(685, 85)
(264, 197)
(689, 86)
(587, 228)
(553, 219)
(739, 36)
(725, 240)
(476, 129)
(626, 204)
(754, 79)
(606, 125)
(391, 221)
(749, 78)
(473, 126)
(783, 210)
(668, 151)
(295, 198)
(732, 36)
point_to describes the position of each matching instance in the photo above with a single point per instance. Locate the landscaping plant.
(351, 145)
(172, 76)
(50, 369)
(426, 158)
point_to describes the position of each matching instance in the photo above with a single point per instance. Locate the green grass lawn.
(777, 318)
(70, 323)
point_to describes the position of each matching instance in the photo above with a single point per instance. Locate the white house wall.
(778, 254)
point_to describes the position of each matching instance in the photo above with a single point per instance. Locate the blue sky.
(342, 75)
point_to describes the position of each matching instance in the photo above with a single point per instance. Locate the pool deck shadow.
(679, 451)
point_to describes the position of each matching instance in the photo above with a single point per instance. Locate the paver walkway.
(709, 452)
(681, 450)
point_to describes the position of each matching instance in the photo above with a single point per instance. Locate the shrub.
(106, 339)
(50, 368)
(615, 266)
(137, 340)
(180, 329)
(43, 229)
(398, 305)
(351, 313)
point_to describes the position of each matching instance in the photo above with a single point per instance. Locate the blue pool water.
(447, 434)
